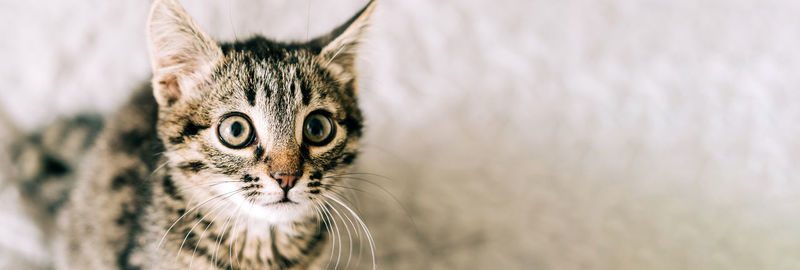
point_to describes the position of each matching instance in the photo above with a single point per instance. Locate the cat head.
(256, 123)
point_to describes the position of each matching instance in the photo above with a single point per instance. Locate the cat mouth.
(284, 201)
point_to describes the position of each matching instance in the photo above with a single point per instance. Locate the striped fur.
(46, 162)
(152, 187)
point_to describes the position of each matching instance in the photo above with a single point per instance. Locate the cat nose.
(286, 181)
(285, 167)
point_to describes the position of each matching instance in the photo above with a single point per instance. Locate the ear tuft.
(182, 56)
(340, 45)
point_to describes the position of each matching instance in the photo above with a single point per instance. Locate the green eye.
(318, 128)
(235, 130)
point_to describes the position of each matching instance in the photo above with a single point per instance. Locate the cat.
(230, 158)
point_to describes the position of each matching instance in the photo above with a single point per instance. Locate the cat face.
(256, 124)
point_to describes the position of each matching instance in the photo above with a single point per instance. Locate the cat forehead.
(276, 75)
(264, 50)
(291, 78)
(285, 67)
(243, 64)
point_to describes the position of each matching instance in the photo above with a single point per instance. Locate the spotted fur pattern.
(152, 187)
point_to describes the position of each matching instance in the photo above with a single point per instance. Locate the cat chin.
(277, 213)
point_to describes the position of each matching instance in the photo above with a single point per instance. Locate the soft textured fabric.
(510, 134)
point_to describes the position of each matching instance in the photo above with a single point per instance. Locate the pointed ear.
(182, 56)
(340, 45)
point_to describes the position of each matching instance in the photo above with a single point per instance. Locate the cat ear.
(340, 45)
(182, 56)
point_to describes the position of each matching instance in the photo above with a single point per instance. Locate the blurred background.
(628, 134)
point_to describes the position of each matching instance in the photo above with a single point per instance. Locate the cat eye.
(318, 128)
(235, 130)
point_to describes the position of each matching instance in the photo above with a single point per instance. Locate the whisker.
(365, 173)
(335, 54)
(197, 244)
(384, 190)
(230, 20)
(160, 242)
(326, 222)
(321, 219)
(342, 196)
(355, 230)
(224, 230)
(363, 226)
(204, 185)
(330, 232)
(217, 205)
(349, 188)
(334, 191)
(234, 235)
(159, 168)
(240, 254)
(308, 19)
(350, 237)
(338, 235)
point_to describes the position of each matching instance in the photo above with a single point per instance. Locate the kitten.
(230, 159)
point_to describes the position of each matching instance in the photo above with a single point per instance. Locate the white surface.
(518, 134)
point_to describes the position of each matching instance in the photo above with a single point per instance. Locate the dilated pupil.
(236, 129)
(315, 127)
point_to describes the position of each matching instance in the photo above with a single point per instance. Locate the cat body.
(228, 160)
(122, 204)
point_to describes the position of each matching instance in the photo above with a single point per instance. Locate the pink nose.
(286, 181)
